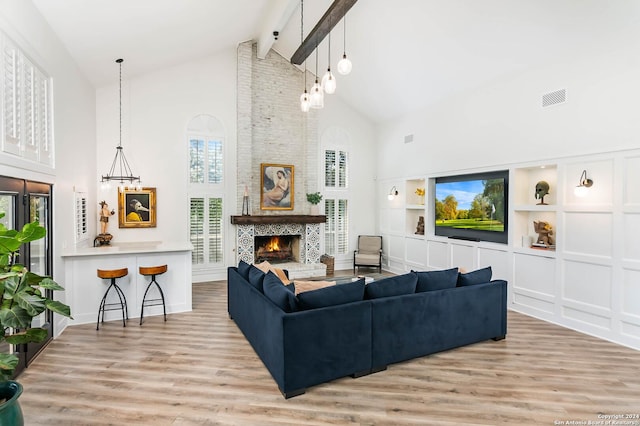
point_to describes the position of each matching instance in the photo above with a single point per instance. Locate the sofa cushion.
(280, 273)
(243, 269)
(256, 277)
(278, 293)
(392, 286)
(479, 276)
(332, 295)
(437, 280)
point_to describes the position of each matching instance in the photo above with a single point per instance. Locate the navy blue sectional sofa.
(305, 341)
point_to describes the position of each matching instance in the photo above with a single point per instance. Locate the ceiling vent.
(408, 139)
(554, 98)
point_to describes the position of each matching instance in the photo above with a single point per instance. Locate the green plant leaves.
(29, 335)
(8, 363)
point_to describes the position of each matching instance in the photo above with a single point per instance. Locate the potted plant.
(314, 198)
(22, 297)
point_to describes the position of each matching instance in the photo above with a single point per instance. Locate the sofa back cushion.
(437, 280)
(256, 277)
(278, 293)
(332, 295)
(243, 269)
(392, 286)
(478, 276)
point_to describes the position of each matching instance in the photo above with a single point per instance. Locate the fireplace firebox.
(277, 248)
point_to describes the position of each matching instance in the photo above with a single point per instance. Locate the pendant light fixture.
(317, 95)
(344, 66)
(329, 81)
(305, 101)
(120, 170)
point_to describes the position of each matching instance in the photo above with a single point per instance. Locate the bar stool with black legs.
(113, 274)
(153, 271)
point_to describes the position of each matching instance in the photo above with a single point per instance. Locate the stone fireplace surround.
(308, 227)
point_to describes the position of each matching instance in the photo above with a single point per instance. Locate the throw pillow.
(266, 267)
(436, 280)
(256, 277)
(278, 293)
(393, 286)
(302, 286)
(479, 276)
(332, 295)
(243, 269)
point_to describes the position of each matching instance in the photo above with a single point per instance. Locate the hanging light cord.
(302, 40)
(119, 61)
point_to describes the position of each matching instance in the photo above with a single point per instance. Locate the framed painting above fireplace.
(276, 186)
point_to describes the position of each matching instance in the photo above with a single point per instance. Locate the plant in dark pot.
(23, 296)
(314, 198)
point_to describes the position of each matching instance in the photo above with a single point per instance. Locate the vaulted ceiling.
(406, 54)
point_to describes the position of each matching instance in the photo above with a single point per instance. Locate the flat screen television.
(473, 206)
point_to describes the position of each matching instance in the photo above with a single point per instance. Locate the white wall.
(362, 172)
(157, 108)
(585, 285)
(74, 127)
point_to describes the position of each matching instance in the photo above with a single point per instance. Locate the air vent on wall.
(408, 138)
(554, 98)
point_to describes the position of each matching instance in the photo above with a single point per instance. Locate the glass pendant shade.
(305, 102)
(317, 96)
(344, 66)
(329, 82)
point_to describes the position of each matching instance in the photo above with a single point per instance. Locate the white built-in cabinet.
(589, 282)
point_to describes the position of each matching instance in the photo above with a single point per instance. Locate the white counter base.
(86, 289)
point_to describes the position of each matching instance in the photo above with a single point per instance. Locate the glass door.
(23, 202)
(39, 258)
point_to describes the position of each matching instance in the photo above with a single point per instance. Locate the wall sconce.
(583, 186)
(392, 193)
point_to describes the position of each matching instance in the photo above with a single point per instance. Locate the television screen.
(472, 207)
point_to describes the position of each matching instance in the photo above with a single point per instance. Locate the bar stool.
(113, 274)
(153, 271)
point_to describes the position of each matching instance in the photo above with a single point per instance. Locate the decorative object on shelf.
(420, 227)
(583, 186)
(137, 208)
(23, 298)
(120, 170)
(245, 202)
(276, 187)
(545, 234)
(104, 237)
(420, 193)
(314, 198)
(542, 189)
(393, 193)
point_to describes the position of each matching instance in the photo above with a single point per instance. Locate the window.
(335, 169)
(336, 229)
(205, 160)
(26, 106)
(206, 191)
(81, 216)
(336, 196)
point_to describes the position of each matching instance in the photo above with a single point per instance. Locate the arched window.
(205, 136)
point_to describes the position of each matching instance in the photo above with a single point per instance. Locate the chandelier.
(120, 170)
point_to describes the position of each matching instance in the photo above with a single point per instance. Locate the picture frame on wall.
(137, 208)
(276, 186)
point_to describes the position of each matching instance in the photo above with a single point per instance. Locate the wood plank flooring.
(198, 369)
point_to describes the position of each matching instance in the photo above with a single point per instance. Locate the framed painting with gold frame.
(137, 208)
(276, 186)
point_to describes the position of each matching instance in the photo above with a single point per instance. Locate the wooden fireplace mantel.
(283, 218)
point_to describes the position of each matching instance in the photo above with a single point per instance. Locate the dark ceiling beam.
(332, 16)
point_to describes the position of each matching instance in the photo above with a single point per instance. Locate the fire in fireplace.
(276, 248)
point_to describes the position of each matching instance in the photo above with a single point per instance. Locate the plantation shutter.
(215, 230)
(342, 169)
(342, 222)
(11, 98)
(196, 228)
(330, 168)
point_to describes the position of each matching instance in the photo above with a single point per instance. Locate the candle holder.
(245, 205)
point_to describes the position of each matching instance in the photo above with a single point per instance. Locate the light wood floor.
(198, 369)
